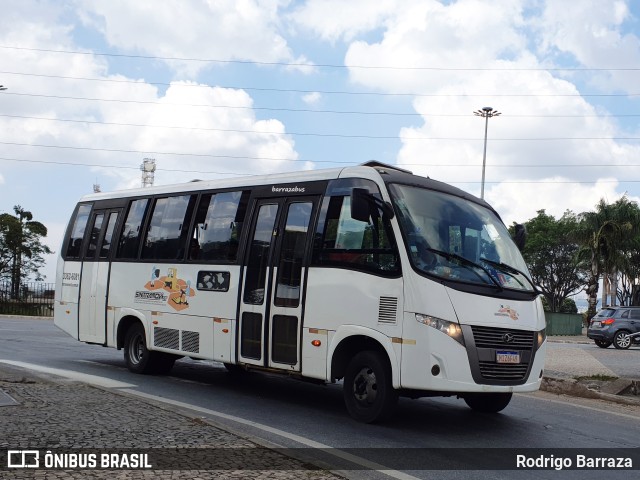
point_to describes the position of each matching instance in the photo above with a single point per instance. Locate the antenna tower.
(148, 168)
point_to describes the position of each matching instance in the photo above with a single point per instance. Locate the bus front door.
(95, 277)
(271, 304)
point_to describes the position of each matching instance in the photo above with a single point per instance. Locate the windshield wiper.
(467, 263)
(509, 270)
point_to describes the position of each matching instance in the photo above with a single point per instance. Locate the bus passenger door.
(95, 276)
(272, 295)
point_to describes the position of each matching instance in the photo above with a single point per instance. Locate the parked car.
(617, 325)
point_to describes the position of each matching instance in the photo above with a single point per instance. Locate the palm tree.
(605, 235)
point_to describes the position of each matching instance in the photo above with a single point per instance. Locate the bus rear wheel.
(488, 402)
(163, 362)
(368, 392)
(136, 355)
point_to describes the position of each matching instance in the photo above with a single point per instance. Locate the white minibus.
(396, 284)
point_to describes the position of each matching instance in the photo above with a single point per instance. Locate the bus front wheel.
(488, 402)
(368, 393)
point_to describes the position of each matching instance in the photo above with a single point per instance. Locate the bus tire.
(163, 362)
(235, 369)
(488, 402)
(137, 356)
(368, 392)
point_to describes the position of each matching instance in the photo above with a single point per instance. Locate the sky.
(216, 89)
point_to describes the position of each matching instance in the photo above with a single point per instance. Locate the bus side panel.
(65, 314)
(187, 304)
(338, 297)
(314, 354)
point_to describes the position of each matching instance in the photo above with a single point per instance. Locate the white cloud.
(472, 53)
(425, 38)
(312, 98)
(518, 202)
(141, 122)
(337, 19)
(591, 32)
(193, 29)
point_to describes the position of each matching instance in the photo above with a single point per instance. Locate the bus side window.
(94, 236)
(342, 241)
(108, 235)
(77, 232)
(130, 237)
(168, 229)
(218, 226)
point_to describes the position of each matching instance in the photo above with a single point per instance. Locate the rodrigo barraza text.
(579, 462)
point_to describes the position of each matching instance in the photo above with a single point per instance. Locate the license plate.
(507, 357)
(597, 324)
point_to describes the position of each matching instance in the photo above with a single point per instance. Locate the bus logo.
(507, 311)
(508, 338)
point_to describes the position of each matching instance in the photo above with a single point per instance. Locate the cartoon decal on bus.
(179, 290)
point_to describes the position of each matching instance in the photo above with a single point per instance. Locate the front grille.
(499, 371)
(487, 337)
(483, 348)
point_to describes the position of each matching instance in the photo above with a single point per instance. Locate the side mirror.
(360, 208)
(361, 203)
(520, 236)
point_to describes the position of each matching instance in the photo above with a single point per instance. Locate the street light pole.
(486, 113)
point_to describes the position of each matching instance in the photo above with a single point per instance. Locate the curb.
(570, 386)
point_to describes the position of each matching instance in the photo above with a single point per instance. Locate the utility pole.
(486, 113)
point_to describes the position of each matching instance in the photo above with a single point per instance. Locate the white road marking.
(290, 436)
(70, 374)
(126, 387)
(586, 407)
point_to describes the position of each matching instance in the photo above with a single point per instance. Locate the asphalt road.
(291, 413)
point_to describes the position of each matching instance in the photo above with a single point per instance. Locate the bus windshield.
(458, 240)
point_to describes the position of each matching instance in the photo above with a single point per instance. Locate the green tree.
(21, 247)
(629, 272)
(606, 236)
(551, 256)
(568, 306)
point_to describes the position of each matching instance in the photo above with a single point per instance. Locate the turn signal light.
(316, 343)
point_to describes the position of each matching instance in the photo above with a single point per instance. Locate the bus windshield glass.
(458, 240)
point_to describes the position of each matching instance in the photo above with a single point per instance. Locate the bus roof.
(388, 174)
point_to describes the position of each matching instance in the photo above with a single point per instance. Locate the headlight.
(540, 338)
(448, 328)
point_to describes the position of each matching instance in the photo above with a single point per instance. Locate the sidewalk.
(67, 416)
(576, 372)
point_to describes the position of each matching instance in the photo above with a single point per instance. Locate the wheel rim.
(365, 387)
(136, 349)
(623, 340)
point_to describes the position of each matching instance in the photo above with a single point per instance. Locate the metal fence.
(32, 299)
